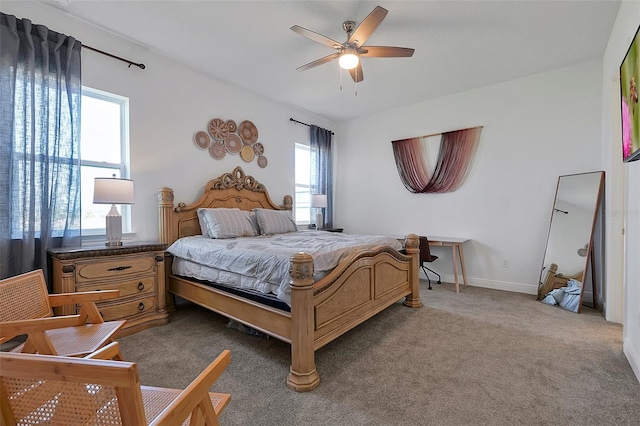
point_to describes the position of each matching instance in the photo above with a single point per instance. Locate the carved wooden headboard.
(230, 190)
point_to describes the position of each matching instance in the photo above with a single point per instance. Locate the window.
(301, 208)
(104, 151)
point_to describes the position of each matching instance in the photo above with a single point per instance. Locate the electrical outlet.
(505, 262)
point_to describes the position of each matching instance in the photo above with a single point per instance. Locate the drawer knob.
(140, 286)
(141, 306)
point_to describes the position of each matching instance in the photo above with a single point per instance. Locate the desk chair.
(427, 257)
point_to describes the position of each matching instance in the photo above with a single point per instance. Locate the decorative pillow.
(275, 221)
(225, 223)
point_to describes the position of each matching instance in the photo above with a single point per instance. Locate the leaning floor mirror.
(569, 262)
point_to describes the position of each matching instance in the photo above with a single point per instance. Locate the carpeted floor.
(480, 357)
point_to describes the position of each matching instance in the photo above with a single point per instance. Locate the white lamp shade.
(318, 201)
(113, 191)
(348, 60)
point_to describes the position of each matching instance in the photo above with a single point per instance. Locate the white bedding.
(262, 263)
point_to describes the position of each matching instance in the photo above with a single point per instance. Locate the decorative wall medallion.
(224, 136)
(218, 129)
(202, 139)
(247, 153)
(232, 125)
(217, 150)
(248, 132)
(233, 143)
(258, 148)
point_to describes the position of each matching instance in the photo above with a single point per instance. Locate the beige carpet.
(481, 357)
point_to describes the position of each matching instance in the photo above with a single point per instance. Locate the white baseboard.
(496, 285)
(632, 356)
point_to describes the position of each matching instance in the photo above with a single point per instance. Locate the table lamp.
(319, 201)
(113, 191)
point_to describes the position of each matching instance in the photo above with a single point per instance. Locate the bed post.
(165, 208)
(303, 376)
(412, 247)
(165, 224)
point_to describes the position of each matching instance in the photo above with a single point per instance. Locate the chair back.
(45, 389)
(425, 253)
(24, 297)
(48, 389)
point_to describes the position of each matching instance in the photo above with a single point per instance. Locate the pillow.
(225, 223)
(275, 221)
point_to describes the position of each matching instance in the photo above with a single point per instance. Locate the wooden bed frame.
(362, 285)
(554, 280)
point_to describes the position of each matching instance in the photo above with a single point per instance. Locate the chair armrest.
(111, 351)
(17, 328)
(62, 299)
(195, 395)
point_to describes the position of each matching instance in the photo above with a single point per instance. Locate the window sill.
(94, 239)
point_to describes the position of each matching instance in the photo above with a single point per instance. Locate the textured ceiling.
(459, 45)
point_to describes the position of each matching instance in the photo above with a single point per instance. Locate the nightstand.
(136, 269)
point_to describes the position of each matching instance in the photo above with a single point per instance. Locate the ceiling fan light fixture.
(349, 52)
(348, 60)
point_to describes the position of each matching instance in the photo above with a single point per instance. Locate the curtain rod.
(141, 66)
(300, 122)
(437, 134)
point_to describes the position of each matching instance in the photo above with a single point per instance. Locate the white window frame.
(95, 234)
(302, 198)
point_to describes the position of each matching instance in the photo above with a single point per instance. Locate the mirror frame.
(589, 261)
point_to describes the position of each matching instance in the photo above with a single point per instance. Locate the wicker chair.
(26, 309)
(42, 389)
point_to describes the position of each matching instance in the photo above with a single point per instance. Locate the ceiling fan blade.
(356, 73)
(319, 38)
(320, 61)
(368, 26)
(386, 52)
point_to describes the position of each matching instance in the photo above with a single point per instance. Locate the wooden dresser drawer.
(136, 269)
(127, 288)
(114, 267)
(113, 311)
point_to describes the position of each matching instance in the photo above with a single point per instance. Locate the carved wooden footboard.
(362, 285)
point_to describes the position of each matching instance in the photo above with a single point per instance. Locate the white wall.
(168, 104)
(535, 129)
(623, 189)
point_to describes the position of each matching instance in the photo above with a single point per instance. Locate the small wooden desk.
(456, 252)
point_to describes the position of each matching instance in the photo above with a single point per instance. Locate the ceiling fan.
(350, 52)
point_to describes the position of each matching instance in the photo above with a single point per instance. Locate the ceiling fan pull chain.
(356, 82)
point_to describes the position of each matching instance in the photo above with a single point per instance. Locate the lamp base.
(319, 221)
(113, 227)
